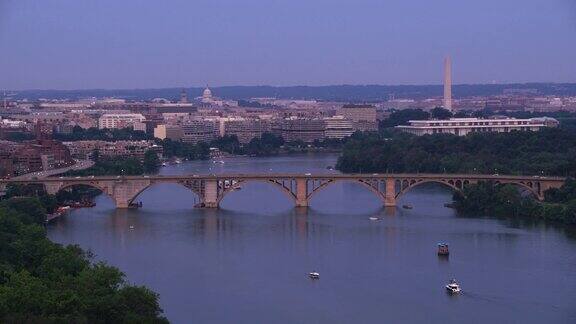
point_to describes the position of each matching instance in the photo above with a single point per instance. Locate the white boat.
(373, 218)
(453, 287)
(314, 275)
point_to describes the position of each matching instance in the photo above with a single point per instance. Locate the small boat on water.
(407, 206)
(453, 287)
(373, 218)
(131, 227)
(443, 249)
(314, 275)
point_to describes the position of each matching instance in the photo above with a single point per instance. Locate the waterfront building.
(246, 129)
(195, 131)
(167, 131)
(119, 120)
(299, 129)
(137, 149)
(464, 126)
(28, 158)
(338, 127)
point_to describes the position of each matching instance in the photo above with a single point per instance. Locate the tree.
(151, 162)
(401, 117)
(44, 282)
(96, 155)
(441, 113)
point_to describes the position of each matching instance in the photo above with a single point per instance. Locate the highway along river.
(248, 261)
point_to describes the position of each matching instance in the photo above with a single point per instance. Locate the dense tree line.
(487, 198)
(111, 166)
(269, 144)
(200, 151)
(104, 166)
(44, 282)
(52, 202)
(401, 117)
(551, 151)
(107, 134)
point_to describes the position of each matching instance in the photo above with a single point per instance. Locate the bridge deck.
(245, 176)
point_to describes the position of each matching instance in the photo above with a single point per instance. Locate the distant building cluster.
(18, 158)
(85, 149)
(26, 127)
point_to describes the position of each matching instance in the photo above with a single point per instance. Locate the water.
(248, 261)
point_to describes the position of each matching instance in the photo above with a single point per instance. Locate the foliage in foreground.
(44, 282)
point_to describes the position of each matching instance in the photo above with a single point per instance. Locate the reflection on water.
(247, 262)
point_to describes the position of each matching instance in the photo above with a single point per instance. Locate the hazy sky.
(76, 44)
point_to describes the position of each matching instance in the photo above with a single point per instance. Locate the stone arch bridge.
(300, 188)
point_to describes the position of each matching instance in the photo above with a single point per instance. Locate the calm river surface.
(248, 261)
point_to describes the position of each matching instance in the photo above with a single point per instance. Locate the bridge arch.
(455, 185)
(362, 182)
(235, 183)
(170, 183)
(532, 187)
(91, 184)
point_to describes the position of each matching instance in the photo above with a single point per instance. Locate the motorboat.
(131, 227)
(373, 218)
(407, 206)
(443, 249)
(453, 287)
(314, 275)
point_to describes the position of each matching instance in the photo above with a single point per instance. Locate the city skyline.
(114, 45)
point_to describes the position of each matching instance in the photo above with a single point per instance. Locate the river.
(248, 261)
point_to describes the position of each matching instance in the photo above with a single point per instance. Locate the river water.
(248, 261)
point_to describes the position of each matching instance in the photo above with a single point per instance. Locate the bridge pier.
(210, 199)
(301, 192)
(390, 194)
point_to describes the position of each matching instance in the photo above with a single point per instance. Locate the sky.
(111, 44)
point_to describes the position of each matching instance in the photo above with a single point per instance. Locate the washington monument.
(448, 83)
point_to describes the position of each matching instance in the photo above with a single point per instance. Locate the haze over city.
(287, 161)
(137, 44)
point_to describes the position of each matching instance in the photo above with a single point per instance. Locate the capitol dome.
(207, 93)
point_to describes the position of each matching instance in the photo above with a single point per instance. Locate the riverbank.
(487, 198)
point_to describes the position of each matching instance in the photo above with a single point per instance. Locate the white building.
(464, 126)
(119, 120)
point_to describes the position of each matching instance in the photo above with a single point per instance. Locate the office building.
(196, 131)
(119, 120)
(363, 117)
(338, 127)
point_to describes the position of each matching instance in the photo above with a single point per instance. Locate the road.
(79, 165)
